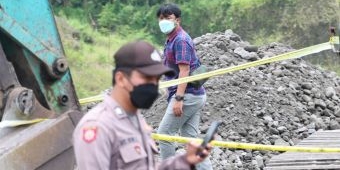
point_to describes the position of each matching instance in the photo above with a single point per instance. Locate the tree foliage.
(297, 22)
(104, 25)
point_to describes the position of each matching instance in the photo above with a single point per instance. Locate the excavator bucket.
(35, 86)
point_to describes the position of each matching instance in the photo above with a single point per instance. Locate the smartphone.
(209, 136)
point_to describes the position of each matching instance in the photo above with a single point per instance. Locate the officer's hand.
(178, 108)
(192, 153)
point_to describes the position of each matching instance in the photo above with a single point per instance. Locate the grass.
(91, 64)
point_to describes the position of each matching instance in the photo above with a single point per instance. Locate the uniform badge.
(155, 56)
(118, 111)
(138, 149)
(89, 134)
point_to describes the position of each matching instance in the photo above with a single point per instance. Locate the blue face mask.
(166, 26)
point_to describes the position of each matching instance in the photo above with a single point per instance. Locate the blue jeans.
(187, 124)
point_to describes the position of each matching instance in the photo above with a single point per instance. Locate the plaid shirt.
(179, 49)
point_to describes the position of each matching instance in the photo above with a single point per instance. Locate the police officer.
(114, 135)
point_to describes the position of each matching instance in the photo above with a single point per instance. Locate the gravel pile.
(273, 104)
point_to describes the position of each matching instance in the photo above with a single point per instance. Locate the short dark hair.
(169, 9)
(126, 71)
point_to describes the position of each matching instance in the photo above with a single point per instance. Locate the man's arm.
(183, 54)
(92, 147)
(184, 70)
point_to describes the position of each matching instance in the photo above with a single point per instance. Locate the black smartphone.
(209, 136)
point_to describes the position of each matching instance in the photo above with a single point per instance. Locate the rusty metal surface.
(33, 146)
(7, 73)
(21, 107)
(32, 74)
(35, 82)
(31, 42)
(14, 54)
(63, 161)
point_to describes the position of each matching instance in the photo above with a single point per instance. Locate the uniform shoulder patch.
(89, 133)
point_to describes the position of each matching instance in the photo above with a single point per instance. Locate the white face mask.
(166, 26)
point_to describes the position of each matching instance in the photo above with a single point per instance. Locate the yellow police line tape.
(91, 99)
(248, 146)
(290, 55)
(14, 123)
(179, 139)
(285, 56)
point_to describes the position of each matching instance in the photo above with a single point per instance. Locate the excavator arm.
(35, 83)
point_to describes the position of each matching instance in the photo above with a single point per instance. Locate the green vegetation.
(89, 52)
(92, 30)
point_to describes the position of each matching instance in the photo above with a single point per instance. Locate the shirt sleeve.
(183, 52)
(92, 146)
(177, 162)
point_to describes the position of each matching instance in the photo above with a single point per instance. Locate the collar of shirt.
(172, 35)
(115, 107)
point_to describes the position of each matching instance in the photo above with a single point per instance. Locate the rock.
(243, 53)
(204, 128)
(234, 138)
(307, 86)
(277, 73)
(334, 125)
(224, 135)
(232, 45)
(243, 132)
(259, 160)
(273, 131)
(319, 124)
(307, 92)
(302, 129)
(281, 142)
(281, 129)
(225, 164)
(311, 131)
(293, 85)
(267, 54)
(306, 98)
(330, 105)
(253, 56)
(275, 124)
(235, 38)
(330, 92)
(228, 32)
(281, 89)
(217, 151)
(247, 156)
(321, 103)
(254, 164)
(251, 48)
(222, 46)
(267, 119)
(337, 112)
(311, 126)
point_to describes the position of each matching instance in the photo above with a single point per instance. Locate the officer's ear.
(119, 78)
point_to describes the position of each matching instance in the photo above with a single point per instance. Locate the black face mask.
(143, 96)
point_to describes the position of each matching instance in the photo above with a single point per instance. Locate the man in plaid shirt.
(185, 101)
